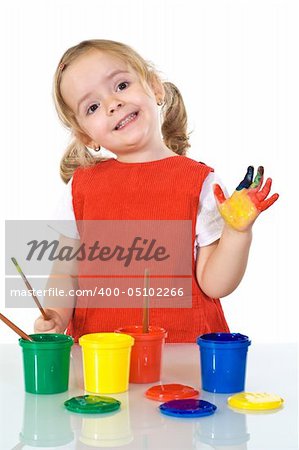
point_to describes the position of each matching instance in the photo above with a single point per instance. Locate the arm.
(221, 265)
(63, 276)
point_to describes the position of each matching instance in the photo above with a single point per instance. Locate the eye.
(93, 108)
(122, 86)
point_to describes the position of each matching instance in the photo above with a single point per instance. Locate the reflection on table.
(41, 421)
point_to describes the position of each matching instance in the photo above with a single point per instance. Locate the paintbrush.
(29, 287)
(145, 319)
(15, 328)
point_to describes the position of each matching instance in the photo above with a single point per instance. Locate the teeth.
(125, 121)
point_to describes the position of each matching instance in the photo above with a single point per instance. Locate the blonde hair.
(174, 116)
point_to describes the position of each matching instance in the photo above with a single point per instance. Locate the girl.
(110, 97)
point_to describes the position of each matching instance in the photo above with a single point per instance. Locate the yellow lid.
(106, 340)
(259, 401)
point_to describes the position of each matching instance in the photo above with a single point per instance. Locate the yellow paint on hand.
(238, 211)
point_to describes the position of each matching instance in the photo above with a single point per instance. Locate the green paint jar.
(46, 362)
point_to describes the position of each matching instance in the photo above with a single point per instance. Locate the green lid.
(47, 341)
(92, 404)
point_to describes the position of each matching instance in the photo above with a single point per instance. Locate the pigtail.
(74, 156)
(174, 120)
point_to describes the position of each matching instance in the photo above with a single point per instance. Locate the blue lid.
(228, 340)
(189, 407)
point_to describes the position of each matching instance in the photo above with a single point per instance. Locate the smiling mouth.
(126, 120)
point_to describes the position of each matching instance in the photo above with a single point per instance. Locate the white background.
(236, 64)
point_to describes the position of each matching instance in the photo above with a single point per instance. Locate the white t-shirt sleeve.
(64, 216)
(209, 222)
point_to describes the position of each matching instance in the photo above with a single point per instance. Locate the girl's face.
(110, 103)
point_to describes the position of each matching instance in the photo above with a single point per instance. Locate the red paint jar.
(146, 353)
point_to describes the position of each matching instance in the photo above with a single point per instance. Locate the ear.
(157, 88)
(86, 140)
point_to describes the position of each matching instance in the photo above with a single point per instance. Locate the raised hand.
(248, 200)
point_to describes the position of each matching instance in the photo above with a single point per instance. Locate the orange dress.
(166, 189)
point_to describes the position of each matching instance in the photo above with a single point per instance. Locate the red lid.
(165, 392)
(136, 331)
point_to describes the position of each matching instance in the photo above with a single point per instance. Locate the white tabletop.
(39, 421)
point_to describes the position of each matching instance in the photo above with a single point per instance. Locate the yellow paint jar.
(106, 362)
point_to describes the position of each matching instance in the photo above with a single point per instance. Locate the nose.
(113, 106)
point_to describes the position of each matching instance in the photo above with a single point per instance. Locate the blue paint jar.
(223, 361)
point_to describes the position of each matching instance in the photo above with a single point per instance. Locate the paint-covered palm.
(248, 200)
